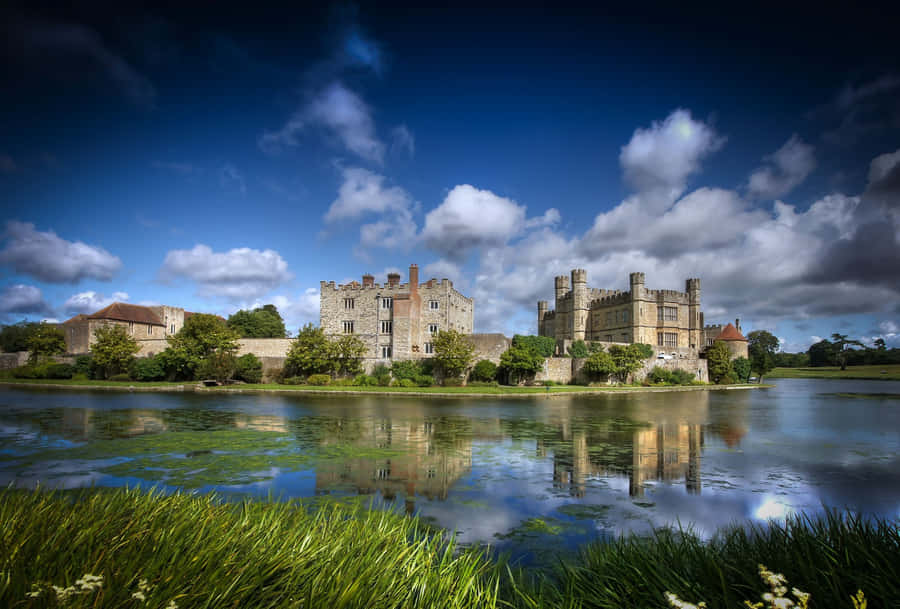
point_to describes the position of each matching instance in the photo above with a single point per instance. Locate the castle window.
(348, 327)
(349, 303)
(131, 327)
(387, 303)
(386, 351)
(172, 331)
(624, 338)
(709, 342)
(667, 314)
(387, 327)
(434, 305)
(149, 330)
(429, 348)
(609, 338)
(667, 339)
(625, 315)
(383, 473)
(432, 472)
(432, 328)
(609, 318)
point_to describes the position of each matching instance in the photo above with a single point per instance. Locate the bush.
(683, 377)
(84, 364)
(577, 349)
(545, 345)
(365, 380)
(294, 380)
(408, 369)
(248, 368)
(484, 370)
(382, 373)
(424, 380)
(659, 375)
(406, 383)
(122, 376)
(726, 380)
(146, 369)
(318, 379)
(26, 372)
(452, 381)
(483, 384)
(59, 371)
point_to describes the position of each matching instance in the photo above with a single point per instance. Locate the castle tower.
(692, 287)
(542, 312)
(636, 282)
(562, 288)
(580, 304)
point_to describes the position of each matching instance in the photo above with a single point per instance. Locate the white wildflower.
(138, 595)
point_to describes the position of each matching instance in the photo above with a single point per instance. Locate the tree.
(485, 370)
(628, 358)
(248, 368)
(453, 352)
(880, 345)
(113, 349)
(762, 348)
(202, 336)
(14, 337)
(718, 360)
(545, 345)
(741, 367)
(600, 364)
(346, 354)
(262, 322)
(45, 340)
(842, 345)
(521, 362)
(310, 353)
(578, 349)
(821, 353)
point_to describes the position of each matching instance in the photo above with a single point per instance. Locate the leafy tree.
(821, 353)
(762, 347)
(407, 369)
(718, 360)
(262, 322)
(521, 362)
(600, 364)
(201, 337)
(113, 349)
(310, 353)
(841, 346)
(14, 337)
(453, 352)
(45, 340)
(346, 354)
(147, 369)
(545, 345)
(644, 350)
(880, 345)
(248, 368)
(628, 358)
(741, 367)
(484, 370)
(219, 365)
(578, 349)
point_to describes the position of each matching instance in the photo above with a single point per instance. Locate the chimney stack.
(413, 278)
(393, 279)
(368, 280)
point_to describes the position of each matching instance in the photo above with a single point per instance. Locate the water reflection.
(488, 468)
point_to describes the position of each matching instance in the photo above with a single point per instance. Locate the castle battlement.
(394, 287)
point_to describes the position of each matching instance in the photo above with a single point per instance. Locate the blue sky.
(220, 161)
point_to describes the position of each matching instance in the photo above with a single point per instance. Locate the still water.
(523, 475)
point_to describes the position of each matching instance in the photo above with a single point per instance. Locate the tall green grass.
(152, 550)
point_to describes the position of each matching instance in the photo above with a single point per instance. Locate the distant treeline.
(839, 353)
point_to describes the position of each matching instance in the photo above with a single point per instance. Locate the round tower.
(580, 303)
(562, 287)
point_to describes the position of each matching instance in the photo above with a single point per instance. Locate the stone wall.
(152, 347)
(556, 369)
(490, 346)
(567, 369)
(265, 347)
(9, 361)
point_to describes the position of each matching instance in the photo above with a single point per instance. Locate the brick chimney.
(393, 279)
(413, 278)
(368, 280)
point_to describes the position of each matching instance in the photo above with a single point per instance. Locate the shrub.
(26, 372)
(424, 380)
(406, 383)
(660, 375)
(364, 380)
(318, 379)
(484, 370)
(545, 345)
(294, 380)
(452, 381)
(577, 349)
(122, 376)
(483, 384)
(726, 380)
(408, 369)
(84, 364)
(146, 369)
(682, 377)
(248, 368)
(59, 371)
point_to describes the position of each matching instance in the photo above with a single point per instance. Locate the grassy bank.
(891, 372)
(197, 552)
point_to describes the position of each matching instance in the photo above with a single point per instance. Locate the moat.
(525, 475)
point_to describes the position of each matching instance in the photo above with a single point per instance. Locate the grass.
(892, 373)
(198, 551)
(94, 383)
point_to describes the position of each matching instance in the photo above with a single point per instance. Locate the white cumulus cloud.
(784, 170)
(237, 275)
(48, 257)
(23, 299)
(91, 302)
(364, 191)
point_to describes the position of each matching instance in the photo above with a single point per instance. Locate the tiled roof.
(78, 317)
(730, 333)
(121, 311)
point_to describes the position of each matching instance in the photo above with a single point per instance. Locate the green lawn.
(93, 383)
(890, 372)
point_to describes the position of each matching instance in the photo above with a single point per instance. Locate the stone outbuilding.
(738, 345)
(147, 325)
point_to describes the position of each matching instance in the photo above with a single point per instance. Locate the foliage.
(14, 337)
(84, 364)
(821, 353)
(718, 360)
(577, 349)
(365, 380)
(148, 369)
(45, 340)
(113, 350)
(841, 345)
(599, 364)
(628, 358)
(382, 372)
(346, 353)
(201, 336)
(406, 383)
(218, 365)
(262, 322)
(44, 370)
(762, 346)
(545, 345)
(248, 368)
(293, 380)
(453, 352)
(791, 360)
(484, 370)
(741, 367)
(318, 379)
(310, 353)
(643, 350)
(121, 377)
(520, 362)
(406, 369)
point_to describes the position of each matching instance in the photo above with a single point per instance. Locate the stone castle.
(396, 321)
(148, 325)
(669, 320)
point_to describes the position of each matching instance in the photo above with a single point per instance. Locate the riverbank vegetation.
(126, 548)
(889, 372)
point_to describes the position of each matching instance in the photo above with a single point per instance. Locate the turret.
(636, 280)
(580, 303)
(562, 287)
(542, 310)
(692, 287)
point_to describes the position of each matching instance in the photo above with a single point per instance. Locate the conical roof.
(730, 333)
